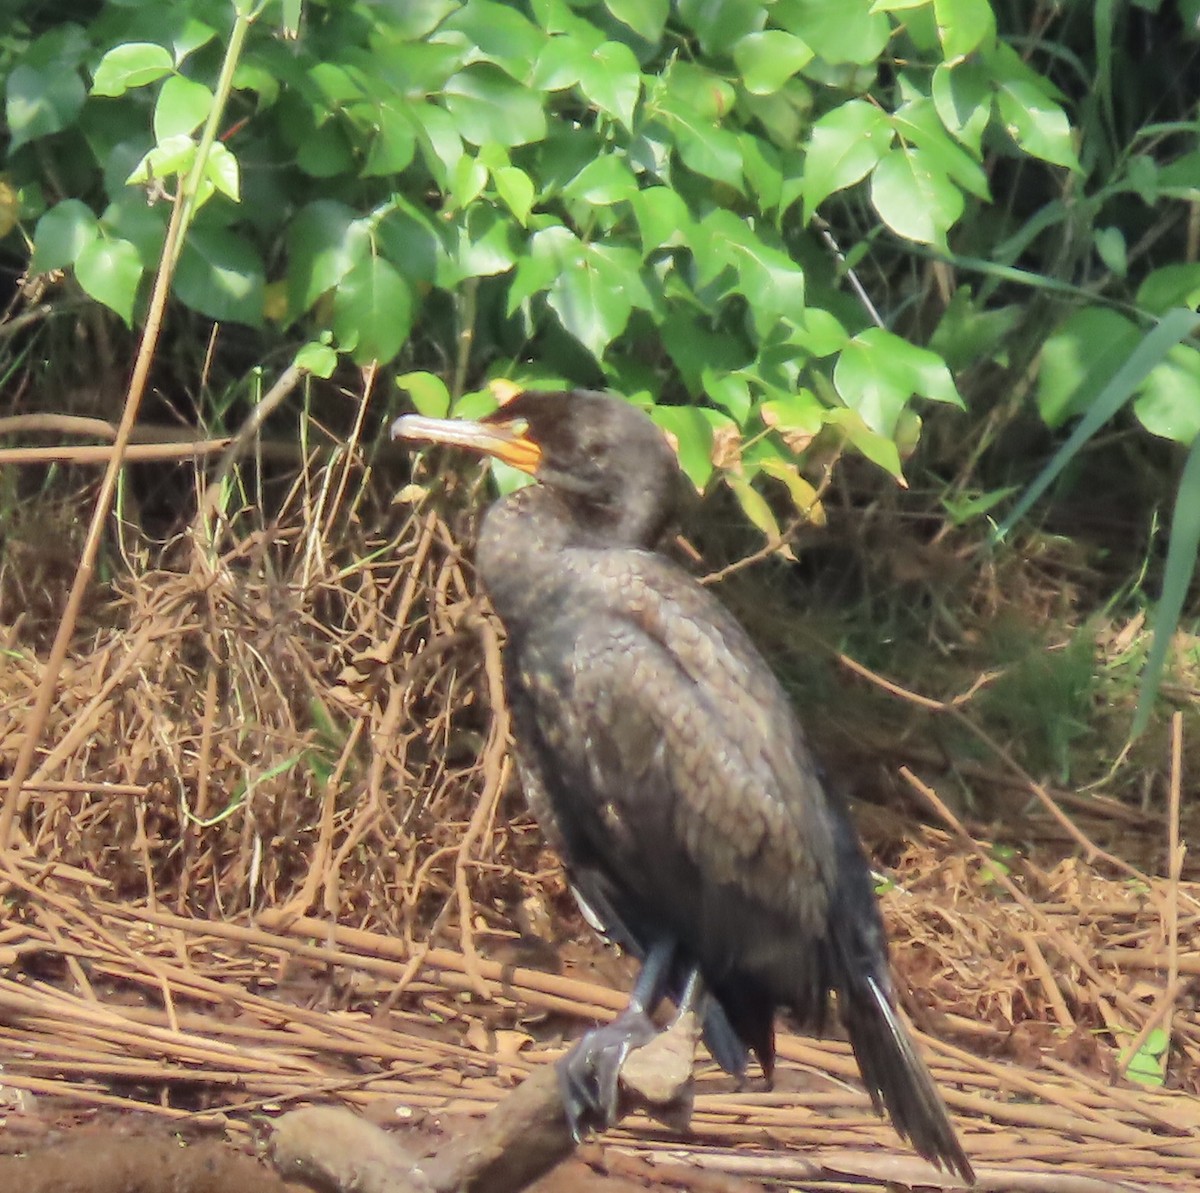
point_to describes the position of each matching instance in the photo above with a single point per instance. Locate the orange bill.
(507, 441)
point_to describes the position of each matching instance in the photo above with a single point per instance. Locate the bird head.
(608, 463)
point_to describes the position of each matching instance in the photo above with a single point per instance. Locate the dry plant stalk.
(283, 760)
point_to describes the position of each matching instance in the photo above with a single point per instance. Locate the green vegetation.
(799, 231)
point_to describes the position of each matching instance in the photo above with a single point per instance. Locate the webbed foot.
(589, 1075)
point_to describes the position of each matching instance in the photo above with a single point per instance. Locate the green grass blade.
(1170, 330)
(1181, 563)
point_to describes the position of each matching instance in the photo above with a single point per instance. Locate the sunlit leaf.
(428, 392)
(133, 64)
(182, 106)
(963, 25)
(109, 270)
(768, 59)
(914, 197)
(845, 145)
(838, 30)
(645, 17)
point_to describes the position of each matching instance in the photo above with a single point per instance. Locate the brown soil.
(272, 855)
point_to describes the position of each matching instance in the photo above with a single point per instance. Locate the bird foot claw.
(589, 1075)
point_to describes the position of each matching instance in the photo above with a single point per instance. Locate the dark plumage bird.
(667, 767)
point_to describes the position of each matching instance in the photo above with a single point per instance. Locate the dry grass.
(263, 859)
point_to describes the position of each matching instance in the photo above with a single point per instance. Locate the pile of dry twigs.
(272, 853)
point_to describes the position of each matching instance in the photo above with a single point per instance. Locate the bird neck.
(524, 536)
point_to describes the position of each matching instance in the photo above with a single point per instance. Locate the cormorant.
(668, 769)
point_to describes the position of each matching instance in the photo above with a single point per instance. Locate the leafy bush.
(630, 193)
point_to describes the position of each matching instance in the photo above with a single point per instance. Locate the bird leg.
(588, 1075)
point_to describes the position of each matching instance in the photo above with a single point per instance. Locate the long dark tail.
(896, 1076)
(893, 1072)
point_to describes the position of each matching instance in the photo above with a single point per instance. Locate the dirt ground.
(271, 855)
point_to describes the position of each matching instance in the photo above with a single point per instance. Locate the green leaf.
(561, 64)
(182, 106)
(702, 92)
(969, 334)
(693, 436)
(170, 157)
(131, 65)
(767, 276)
(719, 25)
(963, 96)
(145, 227)
(603, 182)
(109, 270)
(335, 86)
(913, 197)
(594, 301)
(63, 47)
(1169, 286)
(878, 372)
(1111, 249)
(1078, 359)
(62, 234)
(917, 122)
(662, 218)
(516, 190)
(838, 30)
(611, 79)
(550, 252)
(646, 18)
(500, 33)
(318, 359)
(967, 506)
(964, 25)
(768, 59)
(325, 240)
(763, 169)
(704, 146)
(467, 180)
(1035, 124)
(1031, 116)
(475, 404)
(804, 495)
(879, 449)
(730, 391)
(325, 151)
(428, 392)
(800, 411)
(488, 106)
(819, 333)
(1181, 178)
(413, 20)
(845, 145)
(695, 343)
(753, 504)
(483, 245)
(221, 173)
(220, 274)
(41, 102)
(393, 142)
(188, 37)
(373, 310)
(1168, 402)
(409, 240)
